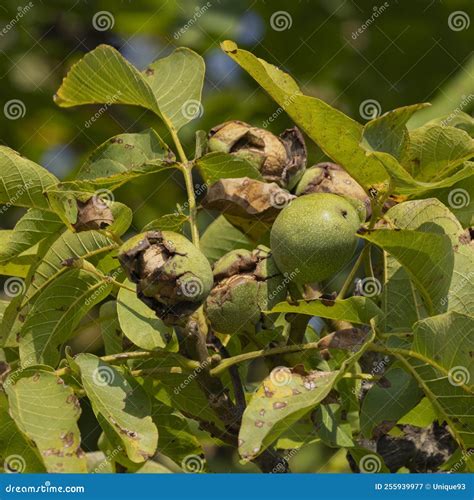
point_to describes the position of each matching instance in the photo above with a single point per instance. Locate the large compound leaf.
(444, 369)
(55, 314)
(121, 406)
(33, 227)
(139, 323)
(427, 257)
(46, 411)
(335, 133)
(283, 398)
(435, 151)
(170, 87)
(401, 303)
(358, 310)
(22, 182)
(85, 245)
(16, 452)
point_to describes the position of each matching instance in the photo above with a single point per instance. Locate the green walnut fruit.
(245, 284)
(280, 159)
(314, 237)
(173, 277)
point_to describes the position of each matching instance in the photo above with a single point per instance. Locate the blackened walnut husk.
(172, 276)
(93, 213)
(279, 159)
(245, 284)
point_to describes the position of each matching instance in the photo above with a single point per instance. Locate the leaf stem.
(353, 272)
(186, 169)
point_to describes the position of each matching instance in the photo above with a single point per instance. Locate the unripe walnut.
(279, 159)
(314, 237)
(332, 178)
(173, 277)
(245, 284)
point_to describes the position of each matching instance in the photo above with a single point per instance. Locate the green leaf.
(435, 151)
(214, 166)
(23, 181)
(422, 415)
(388, 402)
(427, 257)
(110, 328)
(176, 440)
(33, 227)
(388, 133)
(332, 429)
(121, 406)
(170, 87)
(221, 237)
(46, 411)
(358, 310)
(401, 303)
(168, 222)
(335, 133)
(139, 323)
(152, 467)
(282, 399)
(87, 245)
(16, 452)
(444, 368)
(55, 314)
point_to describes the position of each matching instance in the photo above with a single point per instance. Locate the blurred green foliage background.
(408, 54)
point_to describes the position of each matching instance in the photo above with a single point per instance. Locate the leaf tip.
(229, 46)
